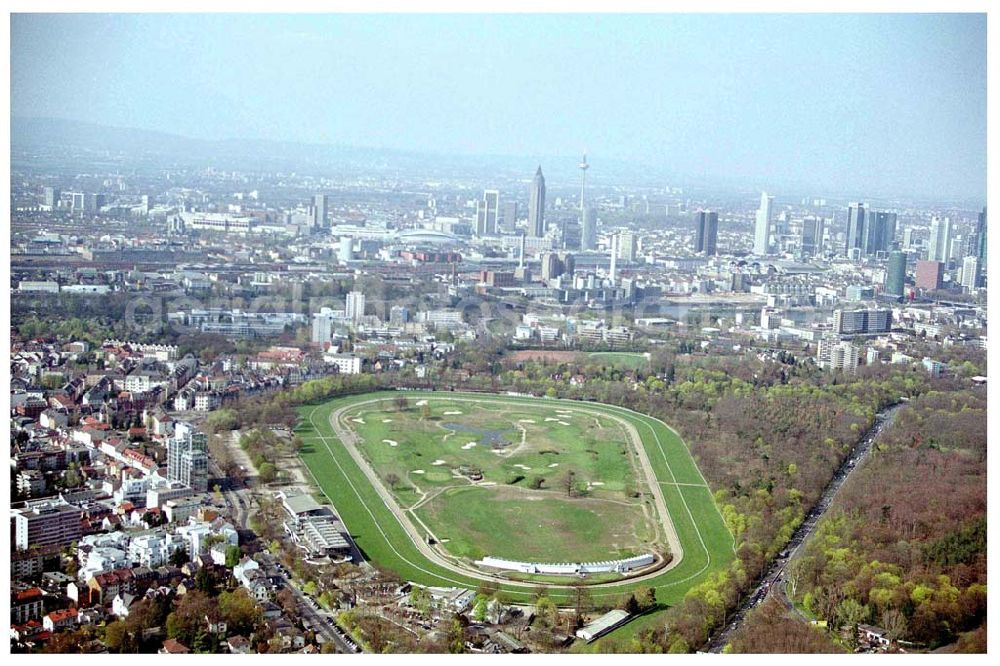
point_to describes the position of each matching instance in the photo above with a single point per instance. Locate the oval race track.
(694, 527)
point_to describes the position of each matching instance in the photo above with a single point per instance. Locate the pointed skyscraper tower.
(536, 205)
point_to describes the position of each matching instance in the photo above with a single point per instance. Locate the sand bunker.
(597, 483)
(421, 403)
(417, 471)
(438, 462)
(361, 421)
(554, 465)
(524, 467)
(468, 446)
(526, 421)
(451, 413)
(390, 442)
(386, 420)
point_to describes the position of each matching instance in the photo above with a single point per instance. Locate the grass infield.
(563, 483)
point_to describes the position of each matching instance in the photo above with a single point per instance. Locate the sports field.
(563, 482)
(387, 539)
(627, 360)
(630, 360)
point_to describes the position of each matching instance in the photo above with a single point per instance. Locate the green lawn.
(630, 360)
(706, 541)
(537, 526)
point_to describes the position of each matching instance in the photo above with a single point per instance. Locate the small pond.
(488, 436)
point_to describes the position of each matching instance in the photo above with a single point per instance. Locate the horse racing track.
(429, 483)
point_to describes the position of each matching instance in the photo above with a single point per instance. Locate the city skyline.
(759, 119)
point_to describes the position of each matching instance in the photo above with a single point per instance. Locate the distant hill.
(32, 135)
(26, 133)
(36, 133)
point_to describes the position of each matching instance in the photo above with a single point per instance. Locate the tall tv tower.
(583, 190)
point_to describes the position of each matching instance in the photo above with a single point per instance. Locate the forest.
(903, 547)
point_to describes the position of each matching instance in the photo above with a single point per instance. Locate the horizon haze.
(871, 104)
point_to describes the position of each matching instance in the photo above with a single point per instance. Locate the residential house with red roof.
(60, 619)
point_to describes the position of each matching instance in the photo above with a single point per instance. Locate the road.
(319, 620)
(236, 498)
(773, 580)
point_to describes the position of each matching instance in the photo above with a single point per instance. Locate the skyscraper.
(856, 238)
(811, 238)
(83, 202)
(885, 222)
(509, 216)
(957, 248)
(355, 306)
(187, 457)
(570, 234)
(345, 253)
(707, 232)
(52, 197)
(487, 210)
(895, 275)
(970, 273)
(322, 326)
(628, 246)
(879, 232)
(536, 205)
(588, 237)
(320, 212)
(939, 243)
(907, 238)
(981, 238)
(762, 229)
(613, 269)
(980, 247)
(870, 233)
(551, 268)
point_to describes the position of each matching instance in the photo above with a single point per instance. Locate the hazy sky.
(859, 104)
